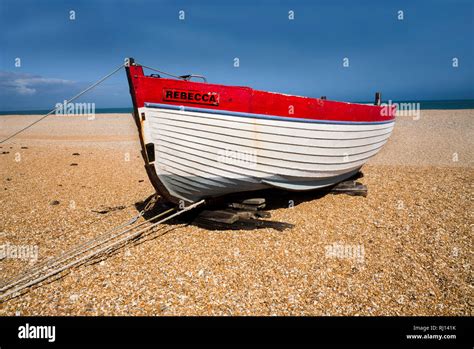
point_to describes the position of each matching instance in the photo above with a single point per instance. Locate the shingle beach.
(407, 246)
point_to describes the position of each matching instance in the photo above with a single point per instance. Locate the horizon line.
(362, 102)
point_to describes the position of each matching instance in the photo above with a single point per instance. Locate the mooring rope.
(58, 268)
(184, 77)
(79, 249)
(86, 90)
(38, 268)
(160, 71)
(67, 101)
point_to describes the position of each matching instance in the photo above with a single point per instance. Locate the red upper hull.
(247, 100)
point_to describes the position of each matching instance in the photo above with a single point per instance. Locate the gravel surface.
(406, 249)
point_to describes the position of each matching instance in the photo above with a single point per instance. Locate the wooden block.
(350, 188)
(254, 201)
(239, 206)
(220, 216)
(253, 214)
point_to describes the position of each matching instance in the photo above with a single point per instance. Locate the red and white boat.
(203, 140)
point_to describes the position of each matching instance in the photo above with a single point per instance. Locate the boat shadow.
(275, 199)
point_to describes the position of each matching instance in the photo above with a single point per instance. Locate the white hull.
(200, 154)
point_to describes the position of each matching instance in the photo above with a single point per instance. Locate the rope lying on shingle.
(97, 246)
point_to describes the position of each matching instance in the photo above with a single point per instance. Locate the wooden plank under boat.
(202, 140)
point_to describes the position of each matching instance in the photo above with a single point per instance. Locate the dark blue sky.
(406, 60)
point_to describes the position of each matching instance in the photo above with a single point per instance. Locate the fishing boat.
(201, 140)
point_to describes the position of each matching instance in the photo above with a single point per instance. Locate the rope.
(88, 89)
(68, 101)
(159, 71)
(81, 248)
(92, 254)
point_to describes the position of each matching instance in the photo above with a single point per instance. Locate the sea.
(428, 104)
(437, 104)
(44, 111)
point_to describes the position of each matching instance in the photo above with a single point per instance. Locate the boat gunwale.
(260, 116)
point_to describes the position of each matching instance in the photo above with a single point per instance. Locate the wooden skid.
(242, 214)
(352, 188)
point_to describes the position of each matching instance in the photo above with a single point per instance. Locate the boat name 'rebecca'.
(197, 97)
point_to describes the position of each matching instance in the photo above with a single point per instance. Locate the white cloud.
(28, 84)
